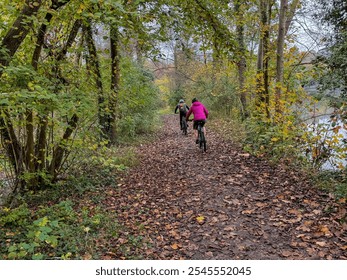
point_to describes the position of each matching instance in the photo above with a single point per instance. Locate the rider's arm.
(176, 109)
(188, 113)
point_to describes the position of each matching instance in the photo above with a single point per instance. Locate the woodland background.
(84, 81)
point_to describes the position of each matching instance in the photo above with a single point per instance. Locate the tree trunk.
(241, 63)
(11, 42)
(11, 144)
(279, 56)
(115, 79)
(41, 141)
(94, 66)
(262, 100)
(61, 148)
(35, 154)
(19, 30)
(266, 57)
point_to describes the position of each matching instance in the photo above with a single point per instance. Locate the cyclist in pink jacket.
(200, 114)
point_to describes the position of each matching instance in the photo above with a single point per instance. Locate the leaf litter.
(225, 204)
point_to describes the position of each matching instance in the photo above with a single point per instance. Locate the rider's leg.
(195, 127)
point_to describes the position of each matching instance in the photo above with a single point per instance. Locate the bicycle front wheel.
(202, 140)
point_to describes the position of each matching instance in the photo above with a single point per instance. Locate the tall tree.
(263, 59)
(286, 15)
(94, 65)
(280, 54)
(115, 79)
(241, 53)
(19, 30)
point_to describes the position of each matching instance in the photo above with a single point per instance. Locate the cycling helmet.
(194, 99)
(181, 101)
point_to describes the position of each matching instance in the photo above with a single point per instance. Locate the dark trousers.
(181, 116)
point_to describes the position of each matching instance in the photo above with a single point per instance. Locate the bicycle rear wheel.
(202, 144)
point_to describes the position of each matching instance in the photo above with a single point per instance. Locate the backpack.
(183, 107)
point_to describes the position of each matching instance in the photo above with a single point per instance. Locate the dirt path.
(224, 204)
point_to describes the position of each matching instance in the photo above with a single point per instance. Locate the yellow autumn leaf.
(31, 86)
(175, 246)
(200, 219)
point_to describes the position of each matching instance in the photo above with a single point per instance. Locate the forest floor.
(224, 204)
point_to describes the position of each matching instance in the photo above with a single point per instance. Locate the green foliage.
(175, 96)
(59, 231)
(277, 142)
(99, 167)
(214, 88)
(66, 220)
(332, 181)
(138, 101)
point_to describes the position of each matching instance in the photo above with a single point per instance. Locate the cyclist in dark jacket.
(183, 107)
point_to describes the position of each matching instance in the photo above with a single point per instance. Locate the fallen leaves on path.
(224, 204)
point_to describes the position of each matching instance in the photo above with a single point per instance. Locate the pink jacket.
(199, 111)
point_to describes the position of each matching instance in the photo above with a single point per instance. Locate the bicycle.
(201, 137)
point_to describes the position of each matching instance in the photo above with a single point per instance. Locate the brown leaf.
(175, 234)
(248, 212)
(175, 246)
(229, 228)
(168, 227)
(122, 240)
(87, 256)
(261, 204)
(286, 253)
(325, 230)
(311, 251)
(245, 155)
(321, 243)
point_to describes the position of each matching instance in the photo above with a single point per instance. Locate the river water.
(321, 123)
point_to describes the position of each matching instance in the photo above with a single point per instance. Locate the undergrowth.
(276, 149)
(67, 220)
(332, 181)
